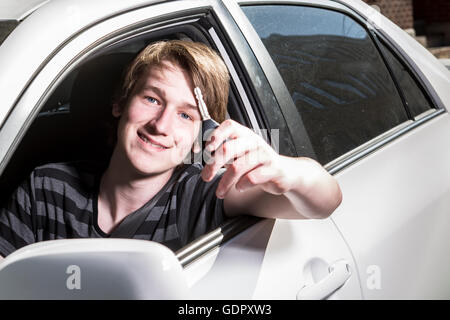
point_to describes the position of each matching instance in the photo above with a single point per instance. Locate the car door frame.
(204, 273)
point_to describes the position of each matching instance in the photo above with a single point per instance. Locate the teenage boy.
(158, 126)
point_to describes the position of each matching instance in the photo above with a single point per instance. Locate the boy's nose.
(163, 122)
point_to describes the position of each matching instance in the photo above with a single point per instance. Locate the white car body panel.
(394, 215)
(397, 217)
(18, 10)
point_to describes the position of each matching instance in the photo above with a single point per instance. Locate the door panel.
(395, 215)
(273, 259)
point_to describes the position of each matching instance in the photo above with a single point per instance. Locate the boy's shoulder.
(81, 173)
(71, 167)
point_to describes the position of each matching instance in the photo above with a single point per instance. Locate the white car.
(331, 80)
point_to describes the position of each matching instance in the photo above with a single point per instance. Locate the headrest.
(95, 85)
(91, 104)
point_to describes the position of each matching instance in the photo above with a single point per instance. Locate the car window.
(335, 74)
(414, 96)
(6, 27)
(75, 121)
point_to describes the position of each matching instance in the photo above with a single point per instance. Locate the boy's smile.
(151, 143)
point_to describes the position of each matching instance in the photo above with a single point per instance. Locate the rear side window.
(414, 96)
(334, 73)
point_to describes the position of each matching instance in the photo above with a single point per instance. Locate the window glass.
(414, 96)
(334, 73)
(6, 27)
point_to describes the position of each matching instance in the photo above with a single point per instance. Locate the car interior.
(76, 122)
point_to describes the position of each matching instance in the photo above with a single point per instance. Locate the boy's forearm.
(315, 193)
(307, 191)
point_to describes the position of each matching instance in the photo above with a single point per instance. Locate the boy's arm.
(274, 186)
(311, 193)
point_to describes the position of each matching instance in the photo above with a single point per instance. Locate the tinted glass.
(6, 27)
(414, 96)
(334, 73)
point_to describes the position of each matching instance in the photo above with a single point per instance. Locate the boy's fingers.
(258, 176)
(227, 152)
(228, 130)
(233, 173)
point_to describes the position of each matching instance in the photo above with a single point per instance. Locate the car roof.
(18, 10)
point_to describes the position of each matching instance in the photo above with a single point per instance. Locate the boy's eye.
(151, 100)
(185, 116)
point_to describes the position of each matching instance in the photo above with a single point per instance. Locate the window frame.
(402, 55)
(380, 39)
(283, 95)
(70, 54)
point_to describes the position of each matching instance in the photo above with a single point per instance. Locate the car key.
(208, 124)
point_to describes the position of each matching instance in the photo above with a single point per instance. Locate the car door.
(270, 259)
(254, 263)
(372, 102)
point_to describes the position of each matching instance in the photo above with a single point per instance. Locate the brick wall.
(399, 11)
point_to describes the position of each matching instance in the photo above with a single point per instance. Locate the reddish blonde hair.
(204, 65)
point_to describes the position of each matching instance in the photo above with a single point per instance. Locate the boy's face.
(158, 126)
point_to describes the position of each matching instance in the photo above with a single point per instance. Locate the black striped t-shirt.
(59, 201)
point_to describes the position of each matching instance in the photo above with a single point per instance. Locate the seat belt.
(128, 227)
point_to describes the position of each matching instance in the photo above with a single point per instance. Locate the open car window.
(74, 122)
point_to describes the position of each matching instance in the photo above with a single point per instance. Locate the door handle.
(339, 272)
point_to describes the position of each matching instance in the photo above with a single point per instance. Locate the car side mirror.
(93, 269)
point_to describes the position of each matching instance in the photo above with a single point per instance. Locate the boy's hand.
(249, 160)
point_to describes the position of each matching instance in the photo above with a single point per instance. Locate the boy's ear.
(116, 110)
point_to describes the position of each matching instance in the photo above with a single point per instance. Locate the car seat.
(77, 129)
